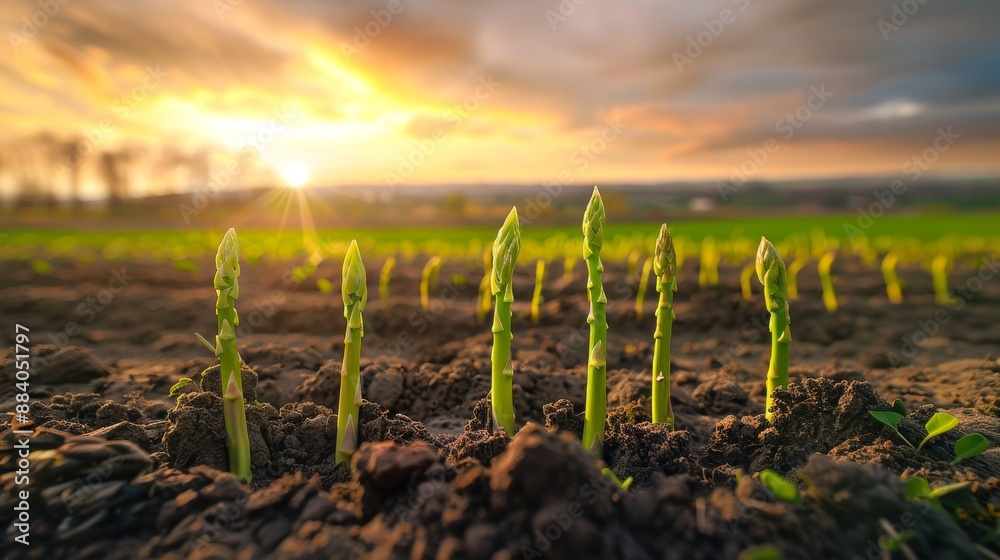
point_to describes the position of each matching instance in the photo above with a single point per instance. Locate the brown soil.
(121, 470)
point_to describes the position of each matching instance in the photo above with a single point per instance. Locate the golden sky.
(411, 92)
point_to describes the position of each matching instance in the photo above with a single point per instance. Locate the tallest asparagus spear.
(771, 273)
(597, 397)
(665, 267)
(505, 250)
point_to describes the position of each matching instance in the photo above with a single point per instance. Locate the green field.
(179, 245)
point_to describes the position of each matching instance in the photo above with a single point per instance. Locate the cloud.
(382, 73)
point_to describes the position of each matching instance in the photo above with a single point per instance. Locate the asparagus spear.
(427, 281)
(536, 298)
(227, 289)
(597, 397)
(826, 281)
(385, 279)
(355, 293)
(892, 287)
(771, 273)
(640, 296)
(505, 250)
(485, 302)
(665, 267)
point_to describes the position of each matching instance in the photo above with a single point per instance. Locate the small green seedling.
(665, 269)
(623, 484)
(708, 267)
(536, 297)
(176, 388)
(427, 281)
(917, 488)
(385, 279)
(890, 418)
(505, 250)
(826, 280)
(940, 423)
(227, 289)
(354, 290)
(597, 393)
(970, 446)
(771, 273)
(781, 487)
(640, 295)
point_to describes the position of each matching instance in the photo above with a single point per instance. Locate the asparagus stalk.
(798, 263)
(485, 296)
(640, 296)
(745, 275)
(355, 293)
(597, 397)
(505, 251)
(427, 280)
(940, 267)
(385, 279)
(771, 273)
(227, 290)
(826, 281)
(665, 268)
(536, 298)
(892, 287)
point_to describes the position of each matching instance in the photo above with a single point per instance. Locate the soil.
(121, 469)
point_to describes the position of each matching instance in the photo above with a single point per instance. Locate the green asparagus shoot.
(798, 263)
(745, 275)
(940, 267)
(536, 298)
(385, 279)
(665, 268)
(597, 395)
(771, 273)
(485, 303)
(227, 290)
(892, 288)
(505, 250)
(826, 280)
(427, 281)
(640, 295)
(632, 264)
(708, 268)
(569, 267)
(355, 293)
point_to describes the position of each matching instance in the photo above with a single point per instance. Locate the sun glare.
(295, 174)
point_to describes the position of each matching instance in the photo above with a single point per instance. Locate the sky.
(410, 92)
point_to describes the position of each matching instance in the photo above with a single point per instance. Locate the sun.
(295, 174)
